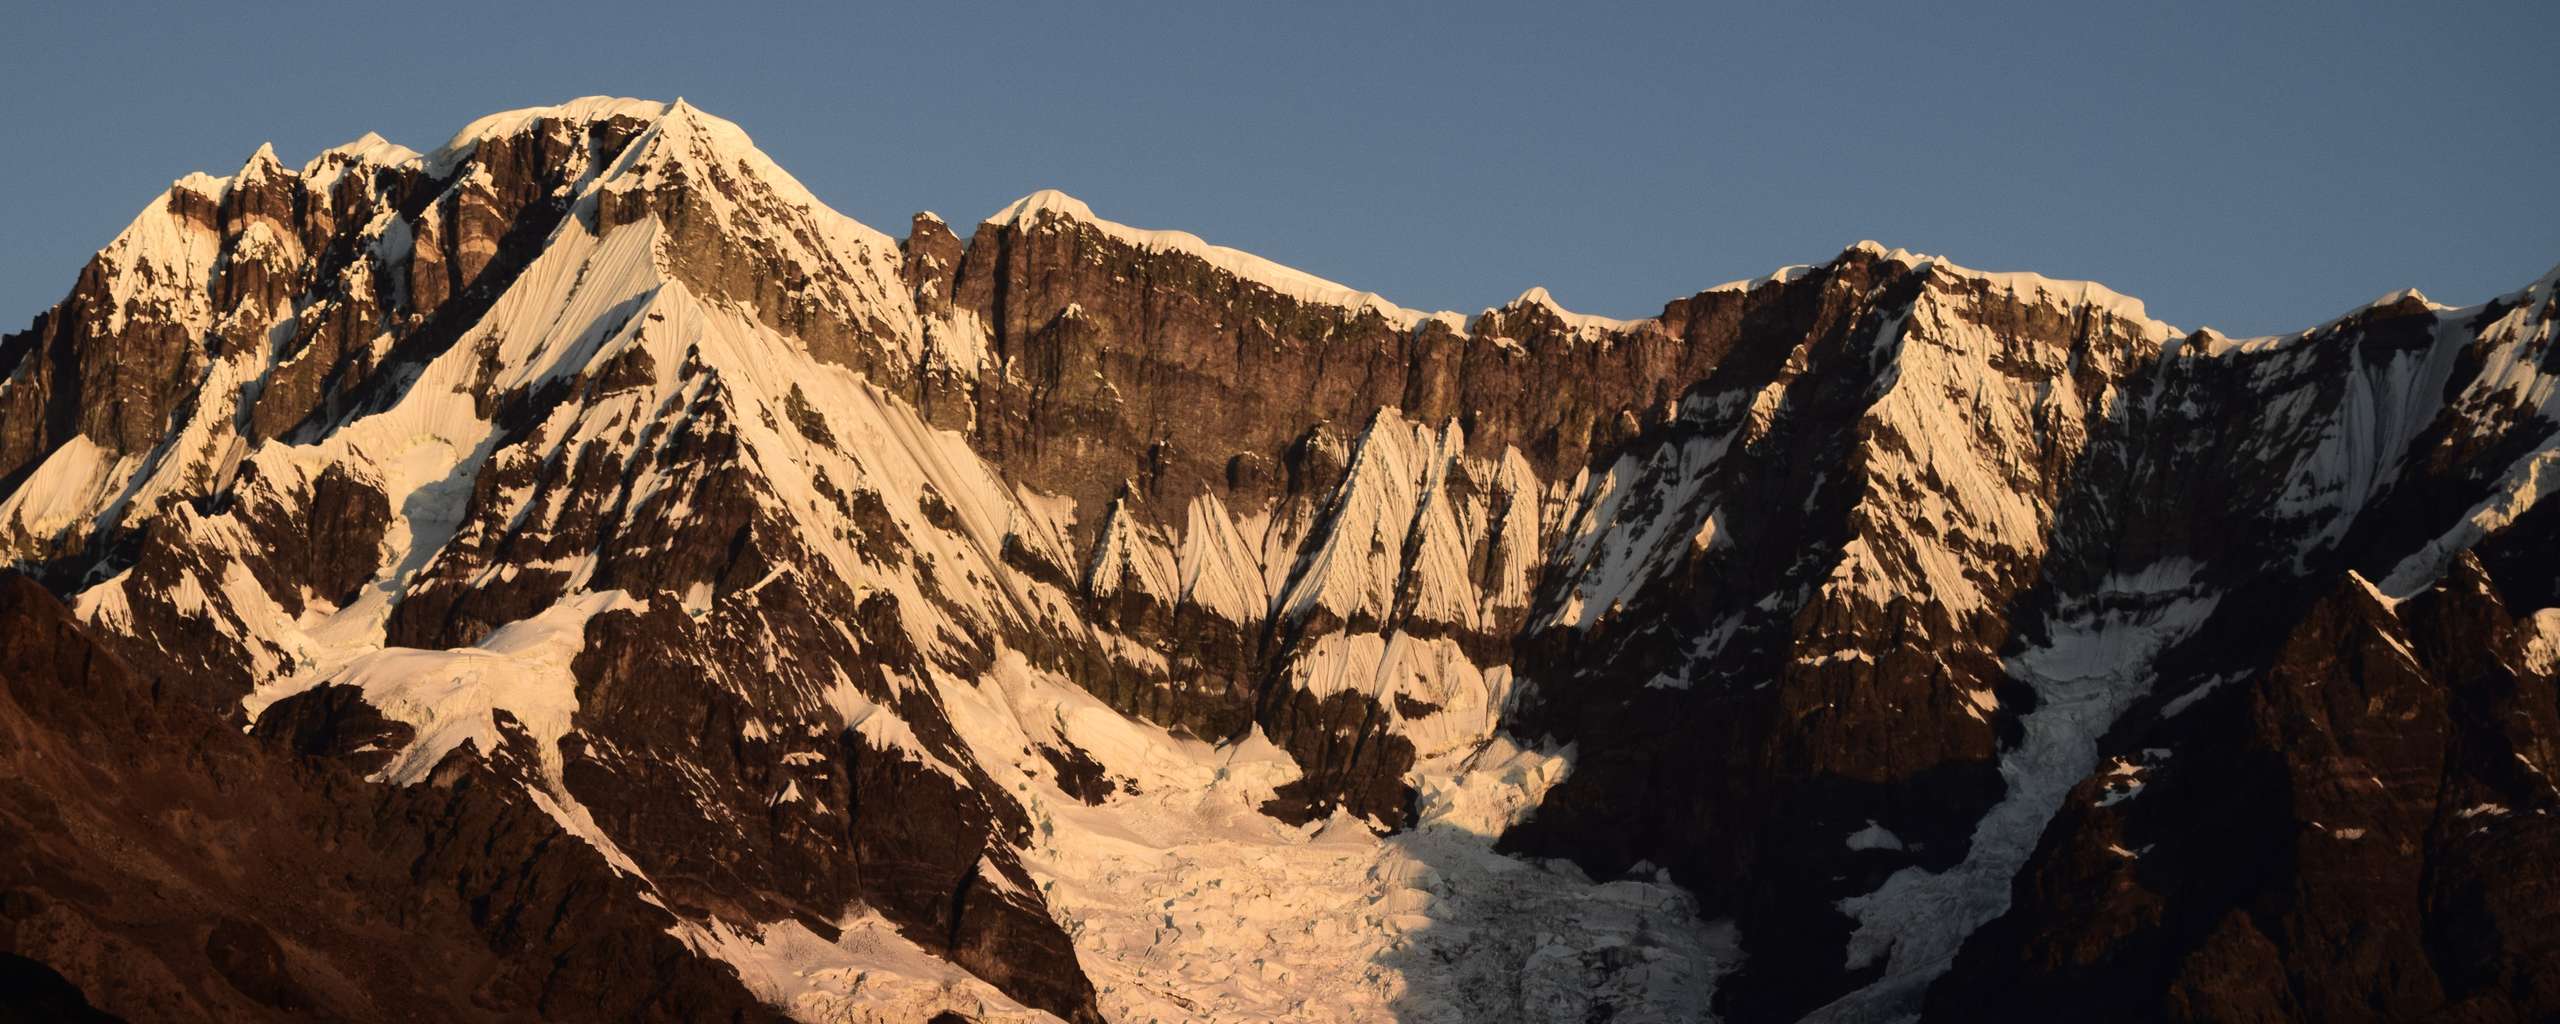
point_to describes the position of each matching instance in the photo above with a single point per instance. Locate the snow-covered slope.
(1085, 622)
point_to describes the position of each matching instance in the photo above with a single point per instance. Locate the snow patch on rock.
(2094, 664)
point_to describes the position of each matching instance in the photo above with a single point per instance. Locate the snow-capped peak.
(368, 148)
(202, 184)
(1047, 200)
(260, 164)
(583, 110)
(693, 356)
(684, 133)
(2066, 293)
(2403, 295)
(1537, 296)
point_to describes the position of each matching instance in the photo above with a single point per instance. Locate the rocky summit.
(575, 574)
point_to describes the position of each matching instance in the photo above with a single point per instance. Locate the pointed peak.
(706, 132)
(261, 163)
(681, 112)
(1047, 200)
(1863, 247)
(928, 228)
(368, 148)
(1581, 323)
(2403, 297)
(1384, 417)
(2380, 598)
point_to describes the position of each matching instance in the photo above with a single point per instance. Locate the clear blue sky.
(2253, 169)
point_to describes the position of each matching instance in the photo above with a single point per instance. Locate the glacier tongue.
(1188, 904)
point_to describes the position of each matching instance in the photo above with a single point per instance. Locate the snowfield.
(1397, 589)
(1188, 904)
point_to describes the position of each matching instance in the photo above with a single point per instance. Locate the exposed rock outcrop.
(591, 525)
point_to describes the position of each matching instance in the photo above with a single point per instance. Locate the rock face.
(172, 868)
(654, 593)
(2389, 751)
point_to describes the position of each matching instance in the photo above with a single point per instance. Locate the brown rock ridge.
(171, 869)
(1789, 566)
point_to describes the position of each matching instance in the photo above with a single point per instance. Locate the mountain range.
(575, 574)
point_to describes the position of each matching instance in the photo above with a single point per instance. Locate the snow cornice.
(705, 136)
(1025, 213)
